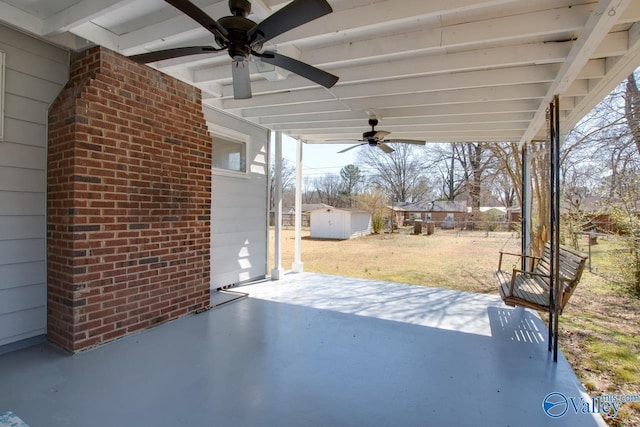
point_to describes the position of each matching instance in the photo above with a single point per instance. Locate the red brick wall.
(129, 191)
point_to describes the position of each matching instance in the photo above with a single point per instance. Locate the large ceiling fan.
(242, 37)
(376, 138)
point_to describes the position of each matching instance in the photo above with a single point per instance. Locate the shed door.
(333, 226)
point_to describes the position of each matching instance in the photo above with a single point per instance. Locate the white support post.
(278, 271)
(298, 266)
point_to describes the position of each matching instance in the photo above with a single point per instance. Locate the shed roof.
(323, 207)
(308, 207)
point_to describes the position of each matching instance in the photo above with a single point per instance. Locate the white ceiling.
(435, 70)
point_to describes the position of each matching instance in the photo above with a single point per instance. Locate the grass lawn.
(600, 328)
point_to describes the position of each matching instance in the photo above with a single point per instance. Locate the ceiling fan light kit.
(243, 38)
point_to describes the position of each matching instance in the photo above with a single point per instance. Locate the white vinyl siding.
(239, 205)
(360, 224)
(2, 74)
(35, 72)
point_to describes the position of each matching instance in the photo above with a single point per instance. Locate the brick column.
(129, 191)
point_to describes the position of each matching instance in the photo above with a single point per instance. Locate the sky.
(319, 159)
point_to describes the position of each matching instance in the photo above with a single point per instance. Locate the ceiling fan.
(242, 37)
(375, 138)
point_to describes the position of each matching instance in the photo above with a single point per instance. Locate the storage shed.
(328, 222)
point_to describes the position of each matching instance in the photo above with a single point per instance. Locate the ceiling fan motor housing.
(370, 137)
(237, 27)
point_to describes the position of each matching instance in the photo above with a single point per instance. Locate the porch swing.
(547, 282)
(530, 287)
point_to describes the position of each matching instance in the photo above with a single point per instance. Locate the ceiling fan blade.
(198, 15)
(172, 53)
(305, 70)
(384, 147)
(406, 141)
(241, 80)
(379, 135)
(294, 14)
(352, 147)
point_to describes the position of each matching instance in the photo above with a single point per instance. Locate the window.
(229, 153)
(2, 58)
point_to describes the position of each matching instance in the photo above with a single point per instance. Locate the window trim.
(2, 93)
(234, 136)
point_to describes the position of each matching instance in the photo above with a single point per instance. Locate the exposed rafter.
(602, 19)
(433, 70)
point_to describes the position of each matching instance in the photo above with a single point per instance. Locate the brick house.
(437, 211)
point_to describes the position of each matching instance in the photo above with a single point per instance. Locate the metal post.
(555, 222)
(592, 239)
(525, 209)
(551, 144)
(589, 252)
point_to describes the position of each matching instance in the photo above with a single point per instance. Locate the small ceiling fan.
(242, 37)
(375, 138)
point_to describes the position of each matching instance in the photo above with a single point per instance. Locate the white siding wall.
(360, 224)
(35, 74)
(239, 207)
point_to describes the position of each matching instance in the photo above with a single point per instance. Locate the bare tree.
(609, 138)
(502, 188)
(632, 109)
(475, 161)
(399, 174)
(539, 157)
(441, 161)
(308, 191)
(328, 189)
(509, 167)
(288, 180)
(509, 164)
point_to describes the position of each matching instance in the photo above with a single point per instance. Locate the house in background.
(589, 212)
(328, 222)
(443, 213)
(514, 217)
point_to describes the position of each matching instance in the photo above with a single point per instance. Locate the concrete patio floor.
(308, 350)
